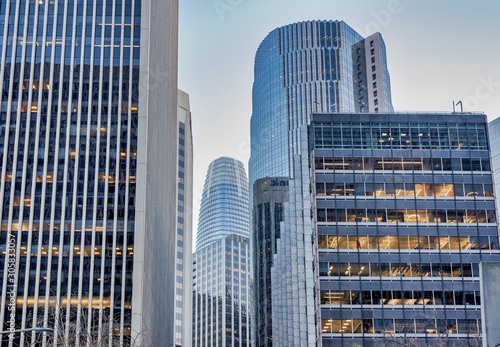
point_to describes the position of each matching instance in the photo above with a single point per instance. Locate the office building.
(88, 173)
(301, 68)
(306, 67)
(184, 237)
(404, 212)
(221, 266)
(270, 194)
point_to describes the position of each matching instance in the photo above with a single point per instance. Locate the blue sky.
(437, 51)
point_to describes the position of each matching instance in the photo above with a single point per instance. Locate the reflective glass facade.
(224, 203)
(221, 293)
(308, 67)
(270, 194)
(302, 68)
(221, 265)
(70, 153)
(404, 214)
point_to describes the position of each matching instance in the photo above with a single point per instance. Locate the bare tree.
(71, 330)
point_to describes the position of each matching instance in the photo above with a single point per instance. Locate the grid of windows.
(69, 147)
(399, 135)
(68, 120)
(221, 289)
(407, 242)
(400, 234)
(434, 328)
(397, 297)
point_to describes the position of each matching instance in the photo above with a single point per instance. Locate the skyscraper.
(404, 213)
(306, 67)
(89, 96)
(301, 68)
(184, 237)
(221, 284)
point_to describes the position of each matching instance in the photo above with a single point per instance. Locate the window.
(372, 43)
(372, 51)
(373, 60)
(374, 85)
(374, 76)
(375, 102)
(373, 68)
(375, 93)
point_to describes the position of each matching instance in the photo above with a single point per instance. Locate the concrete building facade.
(490, 292)
(184, 237)
(494, 138)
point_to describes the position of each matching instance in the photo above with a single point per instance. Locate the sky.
(437, 52)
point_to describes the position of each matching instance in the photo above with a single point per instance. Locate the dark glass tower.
(404, 213)
(87, 135)
(270, 194)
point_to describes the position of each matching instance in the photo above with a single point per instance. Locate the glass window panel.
(488, 190)
(342, 242)
(322, 241)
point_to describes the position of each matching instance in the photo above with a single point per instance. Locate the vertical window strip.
(25, 176)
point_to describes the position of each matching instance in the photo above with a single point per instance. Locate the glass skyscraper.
(306, 67)
(221, 266)
(404, 212)
(224, 203)
(302, 68)
(88, 151)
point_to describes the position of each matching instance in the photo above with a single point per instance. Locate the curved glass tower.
(313, 66)
(224, 203)
(221, 263)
